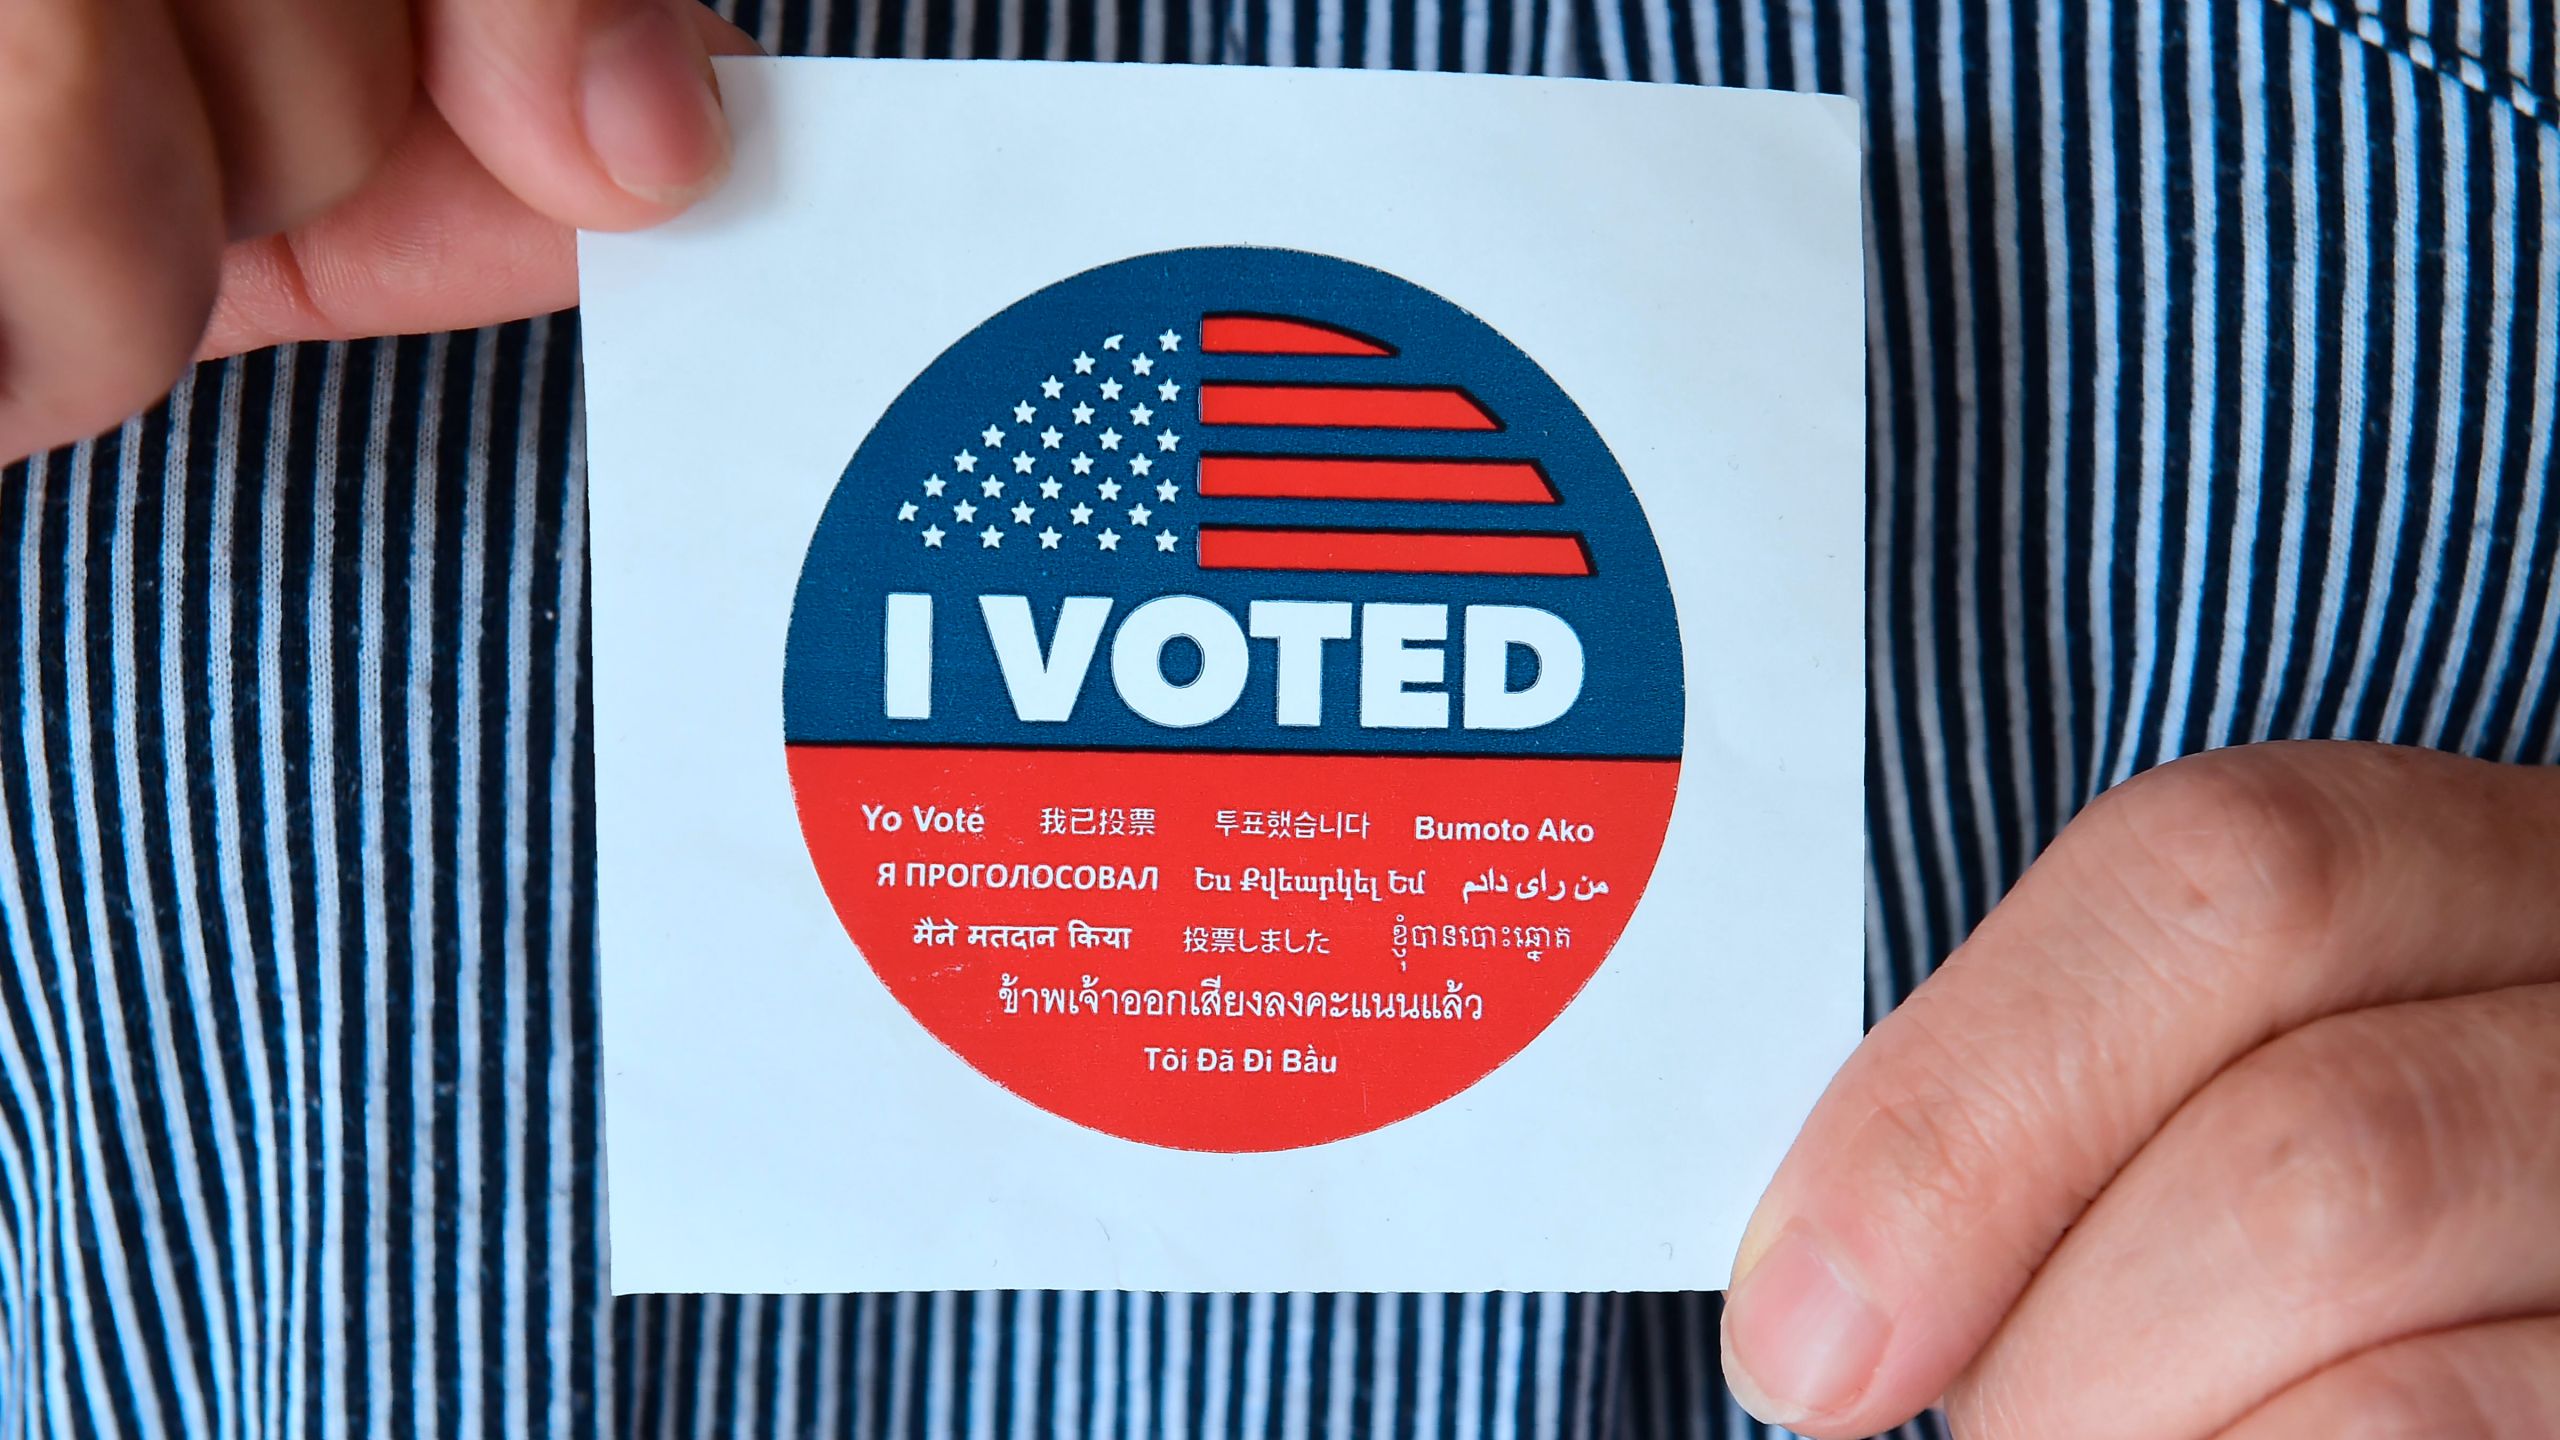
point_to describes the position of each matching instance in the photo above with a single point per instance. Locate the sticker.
(1271, 769)
(1233, 699)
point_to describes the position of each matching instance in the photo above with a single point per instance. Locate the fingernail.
(651, 108)
(1799, 1340)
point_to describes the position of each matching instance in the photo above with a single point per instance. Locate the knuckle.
(2404, 1392)
(1942, 1161)
(1944, 1141)
(2335, 1166)
(1978, 1408)
(2236, 848)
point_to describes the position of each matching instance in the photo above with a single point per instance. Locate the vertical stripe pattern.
(2214, 362)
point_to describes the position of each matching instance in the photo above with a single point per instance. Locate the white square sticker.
(1226, 679)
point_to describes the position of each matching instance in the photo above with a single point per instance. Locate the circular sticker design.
(1233, 699)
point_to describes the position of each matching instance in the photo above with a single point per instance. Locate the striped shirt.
(2215, 349)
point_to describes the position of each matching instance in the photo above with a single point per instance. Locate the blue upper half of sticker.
(1236, 499)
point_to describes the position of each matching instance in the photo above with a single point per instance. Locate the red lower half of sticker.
(1231, 952)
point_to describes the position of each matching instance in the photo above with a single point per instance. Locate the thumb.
(2181, 922)
(601, 114)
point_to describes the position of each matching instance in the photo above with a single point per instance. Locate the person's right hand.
(192, 177)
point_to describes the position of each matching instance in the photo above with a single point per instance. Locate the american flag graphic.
(1249, 428)
(1168, 445)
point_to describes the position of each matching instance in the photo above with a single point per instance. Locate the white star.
(933, 486)
(1021, 512)
(907, 511)
(1052, 388)
(1082, 464)
(1139, 515)
(1049, 488)
(1023, 412)
(1169, 340)
(1022, 464)
(933, 537)
(1141, 415)
(990, 538)
(1110, 439)
(1050, 437)
(1140, 464)
(1084, 364)
(1166, 491)
(1164, 541)
(1110, 389)
(1143, 365)
(991, 487)
(1111, 342)
(992, 436)
(1110, 489)
(1049, 538)
(964, 512)
(1168, 392)
(1082, 514)
(1109, 539)
(964, 462)
(1168, 441)
(1083, 413)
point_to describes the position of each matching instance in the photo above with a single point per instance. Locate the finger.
(2486, 1382)
(2370, 1177)
(304, 97)
(2183, 920)
(431, 243)
(110, 218)
(599, 113)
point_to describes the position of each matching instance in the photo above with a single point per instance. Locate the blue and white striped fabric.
(2216, 350)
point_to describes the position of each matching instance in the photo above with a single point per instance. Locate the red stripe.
(1327, 477)
(1272, 335)
(1428, 552)
(1387, 407)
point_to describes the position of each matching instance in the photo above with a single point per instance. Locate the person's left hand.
(2239, 1117)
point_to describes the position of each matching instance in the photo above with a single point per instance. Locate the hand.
(2239, 1117)
(309, 169)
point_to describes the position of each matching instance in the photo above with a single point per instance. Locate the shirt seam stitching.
(2508, 87)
